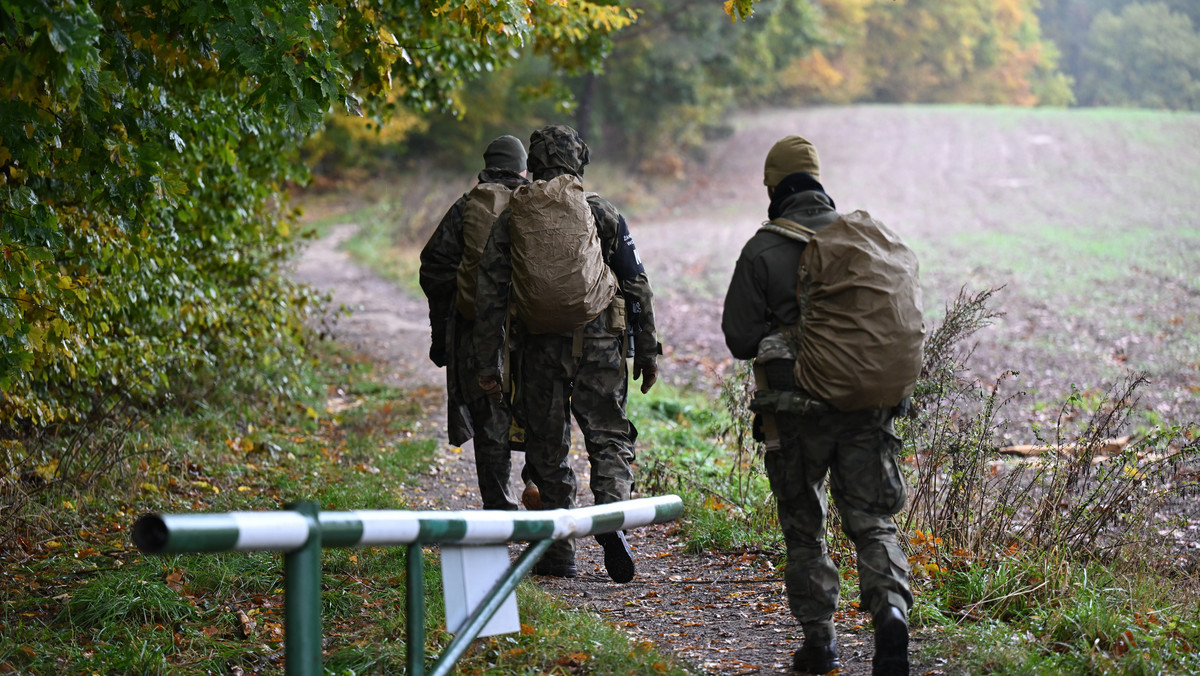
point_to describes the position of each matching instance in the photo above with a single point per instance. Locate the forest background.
(148, 155)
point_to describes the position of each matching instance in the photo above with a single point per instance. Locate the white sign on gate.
(468, 574)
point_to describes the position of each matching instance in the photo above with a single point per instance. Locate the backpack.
(862, 332)
(484, 203)
(559, 278)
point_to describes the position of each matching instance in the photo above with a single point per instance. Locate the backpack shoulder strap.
(790, 229)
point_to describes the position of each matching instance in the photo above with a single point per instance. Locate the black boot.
(558, 561)
(555, 569)
(891, 644)
(816, 657)
(618, 558)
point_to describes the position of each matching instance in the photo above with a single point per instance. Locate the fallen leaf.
(248, 624)
(175, 580)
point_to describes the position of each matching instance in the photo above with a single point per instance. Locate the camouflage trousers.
(493, 462)
(489, 422)
(858, 452)
(555, 384)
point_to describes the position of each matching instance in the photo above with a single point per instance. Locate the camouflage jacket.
(620, 254)
(762, 293)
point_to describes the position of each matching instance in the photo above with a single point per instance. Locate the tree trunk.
(585, 96)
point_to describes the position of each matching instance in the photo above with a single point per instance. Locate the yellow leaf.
(68, 505)
(47, 471)
(243, 489)
(312, 413)
(149, 488)
(54, 544)
(36, 337)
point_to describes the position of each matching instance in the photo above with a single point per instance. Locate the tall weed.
(1087, 492)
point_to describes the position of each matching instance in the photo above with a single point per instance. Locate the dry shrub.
(1076, 497)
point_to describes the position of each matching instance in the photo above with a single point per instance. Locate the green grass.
(684, 449)
(1042, 614)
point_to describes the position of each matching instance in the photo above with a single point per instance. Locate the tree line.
(1128, 53)
(667, 82)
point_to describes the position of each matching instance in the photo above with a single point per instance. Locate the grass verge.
(77, 598)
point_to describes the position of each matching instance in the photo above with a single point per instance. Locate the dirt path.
(958, 182)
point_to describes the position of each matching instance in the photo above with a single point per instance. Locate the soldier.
(805, 443)
(447, 283)
(578, 371)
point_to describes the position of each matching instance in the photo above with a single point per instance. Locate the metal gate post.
(415, 596)
(302, 599)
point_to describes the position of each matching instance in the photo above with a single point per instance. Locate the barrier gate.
(302, 531)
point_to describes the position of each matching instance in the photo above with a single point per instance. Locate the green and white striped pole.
(301, 534)
(287, 531)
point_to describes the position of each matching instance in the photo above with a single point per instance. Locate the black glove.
(437, 353)
(648, 372)
(491, 387)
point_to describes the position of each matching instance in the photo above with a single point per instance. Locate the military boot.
(816, 657)
(618, 558)
(891, 644)
(555, 569)
(558, 561)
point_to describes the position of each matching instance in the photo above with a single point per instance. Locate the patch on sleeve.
(626, 262)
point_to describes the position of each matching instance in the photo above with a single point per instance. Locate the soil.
(948, 177)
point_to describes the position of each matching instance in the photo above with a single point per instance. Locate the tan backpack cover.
(862, 329)
(484, 203)
(559, 279)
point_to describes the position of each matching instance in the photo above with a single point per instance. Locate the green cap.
(506, 152)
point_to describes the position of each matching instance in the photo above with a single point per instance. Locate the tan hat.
(790, 155)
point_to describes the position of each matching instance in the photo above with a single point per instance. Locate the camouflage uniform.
(857, 450)
(557, 380)
(471, 413)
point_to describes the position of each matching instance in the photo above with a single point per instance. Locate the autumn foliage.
(909, 51)
(143, 150)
